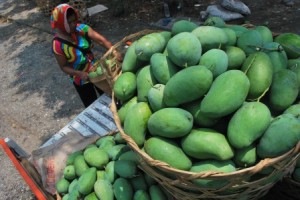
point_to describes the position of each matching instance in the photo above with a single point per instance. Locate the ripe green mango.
(187, 85)
(91, 196)
(110, 173)
(203, 143)
(216, 60)
(250, 41)
(231, 35)
(281, 136)
(139, 182)
(135, 124)
(167, 151)
(238, 29)
(211, 37)
(259, 70)
(87, 180)
(248, 124)
(245, 157)
(184, 49)
(277, 55)
(104, 190)
(284, 90)
(215, 21)
(126, 168)
(226, 166)
(162, 67)
(141, 195)
(199, 118)
(148, 45)
(125, 86)
(294, 110)
(170, 123)
(265, 33)
(122, 112)
(155, 97)
(236, 57)
(72, 156)
(145, 80)
(96, 157)
(291, 44)
(123, 189)
(80, 165)
(130, 61)
(157, 193)
(226, 94)
(69, 172)
(62, 186)
(183, 26)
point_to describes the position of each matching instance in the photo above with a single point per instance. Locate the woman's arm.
(102, 41)
(99, 39)
(65, 67)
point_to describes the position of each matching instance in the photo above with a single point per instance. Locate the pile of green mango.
(95, 73)
(211, 97)
(107, 170)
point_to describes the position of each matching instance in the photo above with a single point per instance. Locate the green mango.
(248, 124)
(245, 157)
(281, 136)
(236, 57)
(284, 90)
(211, 37)
(259, 70)
(125, 86)
(123, 189)
(87, 180)
(216, 60)
(145, 81)
(187, 85)
(183, 26)
(203, 143)
(155, 97)
(184, 49)
(166, 150)
(226, 166)
(226, 94)
(277, 55)
(250, 41)
(170, 123)
(162, 67)
(135, 124)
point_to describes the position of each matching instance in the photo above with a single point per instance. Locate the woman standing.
(72, 49)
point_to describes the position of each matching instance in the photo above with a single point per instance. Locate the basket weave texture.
(286, 189)
(247, 184)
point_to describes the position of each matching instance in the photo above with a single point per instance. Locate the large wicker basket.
(247, 184)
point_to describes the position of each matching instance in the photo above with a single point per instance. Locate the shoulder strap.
(84, 51)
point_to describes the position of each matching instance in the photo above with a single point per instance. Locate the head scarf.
(58, 18)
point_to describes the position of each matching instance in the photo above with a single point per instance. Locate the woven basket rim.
(250, 170)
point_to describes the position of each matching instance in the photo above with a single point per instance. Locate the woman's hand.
(82, 75)
(118, 55)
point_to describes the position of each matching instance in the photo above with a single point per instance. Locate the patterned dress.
(75, 57)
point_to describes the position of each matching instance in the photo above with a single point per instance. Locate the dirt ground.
(36, 99)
